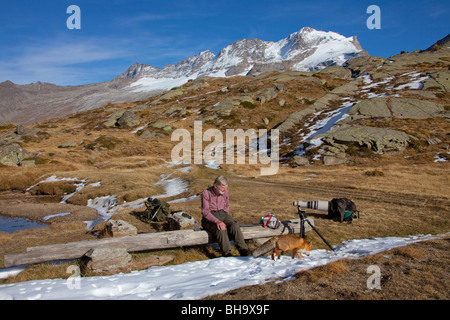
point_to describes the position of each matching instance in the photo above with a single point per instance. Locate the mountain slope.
(307, 50)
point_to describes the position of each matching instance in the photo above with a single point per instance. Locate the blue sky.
(36, 45)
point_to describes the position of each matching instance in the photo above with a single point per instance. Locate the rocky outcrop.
(363, 64)
(379, 140)
(338, 72)
(401, 108)
(415, 109)
(371, 108)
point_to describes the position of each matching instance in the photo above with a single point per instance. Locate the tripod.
(302, 215)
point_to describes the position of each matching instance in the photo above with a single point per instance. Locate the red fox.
(284, 242)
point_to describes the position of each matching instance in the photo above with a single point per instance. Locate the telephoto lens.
(315, 205)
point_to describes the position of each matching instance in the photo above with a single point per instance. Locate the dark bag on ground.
(342, 209)
(156, 210)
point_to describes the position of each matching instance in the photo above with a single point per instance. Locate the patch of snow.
(55, 215)
(152, 84)
(439, 158)
(172, 187)
(323, 126)
(196, 280)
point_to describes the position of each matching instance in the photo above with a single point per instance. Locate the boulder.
(107, 259)
(266, 94)
(181, 221)
(12, 154)
(120, 228)
(69, 144)
(380, 140)
(330, 160)
(300, 161)
(162, 125)
(112, 119)
(128, 119)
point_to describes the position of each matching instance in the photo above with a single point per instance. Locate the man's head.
(220, 185)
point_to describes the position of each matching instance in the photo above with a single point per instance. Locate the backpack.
(342, 209)
(156, 210)
(269, 220)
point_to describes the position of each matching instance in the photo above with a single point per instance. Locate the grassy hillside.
(399, 192)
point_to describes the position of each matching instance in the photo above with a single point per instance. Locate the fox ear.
(310, 243)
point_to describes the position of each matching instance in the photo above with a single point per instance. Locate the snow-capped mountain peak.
(304, 50)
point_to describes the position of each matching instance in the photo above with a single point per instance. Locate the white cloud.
(59, 61)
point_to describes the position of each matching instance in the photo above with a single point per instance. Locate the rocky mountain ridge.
(307, 49)
(369, 107)
(246, 57)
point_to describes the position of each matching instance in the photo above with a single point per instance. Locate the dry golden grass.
(414, 272)
(397, 196)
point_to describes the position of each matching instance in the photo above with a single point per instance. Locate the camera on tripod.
(316, 205)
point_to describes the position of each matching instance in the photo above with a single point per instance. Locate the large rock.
(399, 108)
(415, 109)
(12, 154)
(371, 108)
(128, 119)
(120, 228)
(181, 221)
(380, 140)
(363, 64)
(107, 259)
(337, 72)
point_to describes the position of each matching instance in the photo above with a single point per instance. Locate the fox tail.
(265, 247)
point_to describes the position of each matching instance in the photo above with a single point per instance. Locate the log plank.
(141, 242)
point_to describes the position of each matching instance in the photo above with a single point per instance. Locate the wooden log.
(141, 242)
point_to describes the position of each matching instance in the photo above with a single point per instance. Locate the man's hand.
(220, 225)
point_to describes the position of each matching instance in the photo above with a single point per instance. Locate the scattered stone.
(107, 259)
(154, 260)
(266, 94)
(69, 144)
(300, 161)
(162, 125)
(330, 160)
(181, 221)
(120, 228)
(128, 119)
(112, 119)
(12, 154)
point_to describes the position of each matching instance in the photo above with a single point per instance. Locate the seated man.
(215, 209)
